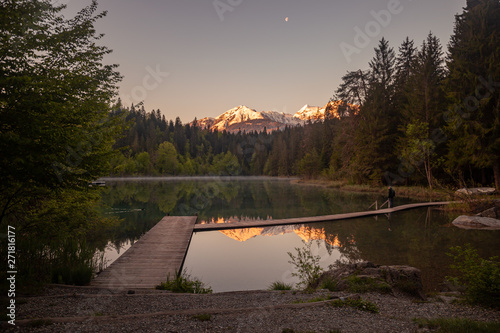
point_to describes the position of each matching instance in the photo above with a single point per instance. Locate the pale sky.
(199, 58)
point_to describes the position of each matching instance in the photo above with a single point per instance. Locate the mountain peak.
(242, 118)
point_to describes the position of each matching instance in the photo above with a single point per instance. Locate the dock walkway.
(159, 252)
(314, 219)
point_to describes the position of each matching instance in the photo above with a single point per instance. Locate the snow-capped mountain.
(281, 117)
(245, 119)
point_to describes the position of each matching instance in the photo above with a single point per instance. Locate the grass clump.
(366, 284)
(458, 325)
(481, 277)
(183, 283)
(359, 304)
(278, 285)
(203, 317)
(329, 283)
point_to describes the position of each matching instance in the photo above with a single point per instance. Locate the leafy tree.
(225, 165)
(167, 159)
(472, 87)
(55, 129)
(310, 165)
(56, 135)
(417, 148)
(143, 163)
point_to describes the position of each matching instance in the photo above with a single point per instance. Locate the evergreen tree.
(423, 109)
(354, 87)
(376, 134)
(473, 89)
(404, 62)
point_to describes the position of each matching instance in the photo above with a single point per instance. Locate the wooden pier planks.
(314, 219)
(159, 252)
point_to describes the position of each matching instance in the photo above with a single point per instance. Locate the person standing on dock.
(391, 196)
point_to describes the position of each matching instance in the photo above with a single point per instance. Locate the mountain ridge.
(245, 119)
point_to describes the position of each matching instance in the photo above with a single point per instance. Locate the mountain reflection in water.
(306, 233)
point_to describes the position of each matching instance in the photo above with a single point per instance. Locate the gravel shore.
(73, 309)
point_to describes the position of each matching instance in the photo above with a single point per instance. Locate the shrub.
(278, 285)
(481, 277)
(72, 262)
(184, 284)
(306, 264)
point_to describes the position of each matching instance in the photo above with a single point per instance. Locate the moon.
(286, 19)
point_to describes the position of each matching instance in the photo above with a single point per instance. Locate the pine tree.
(423, 108)
(376, 134)
(354, 87)
(473, 88)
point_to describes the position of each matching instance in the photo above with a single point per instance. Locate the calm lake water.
(246, 259)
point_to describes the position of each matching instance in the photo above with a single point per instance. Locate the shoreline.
(62, 309)
(410, 192)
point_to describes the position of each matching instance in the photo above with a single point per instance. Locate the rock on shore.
(476, 222)
(367, 275)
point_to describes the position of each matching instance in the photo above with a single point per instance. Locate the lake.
(247, 259)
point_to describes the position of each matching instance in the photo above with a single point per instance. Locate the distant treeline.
(423, 119)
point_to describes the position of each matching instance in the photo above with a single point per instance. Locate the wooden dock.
(161, 251)
(314, 219)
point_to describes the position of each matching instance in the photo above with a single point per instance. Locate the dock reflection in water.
(253, 258)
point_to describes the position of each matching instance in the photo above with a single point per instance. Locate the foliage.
(56, 135)
(473, 116)
(55, 129)
(359, 304)
(457, 325)
(480, 276)
(183, 283)
(366, 284)
(306, 264)
(58, 241)
(278, 285)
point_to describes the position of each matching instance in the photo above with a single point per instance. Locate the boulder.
(476, 222)
(491, 213)
(477, 191)
(370, 277)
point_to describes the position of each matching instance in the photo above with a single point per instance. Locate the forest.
(425, 117)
